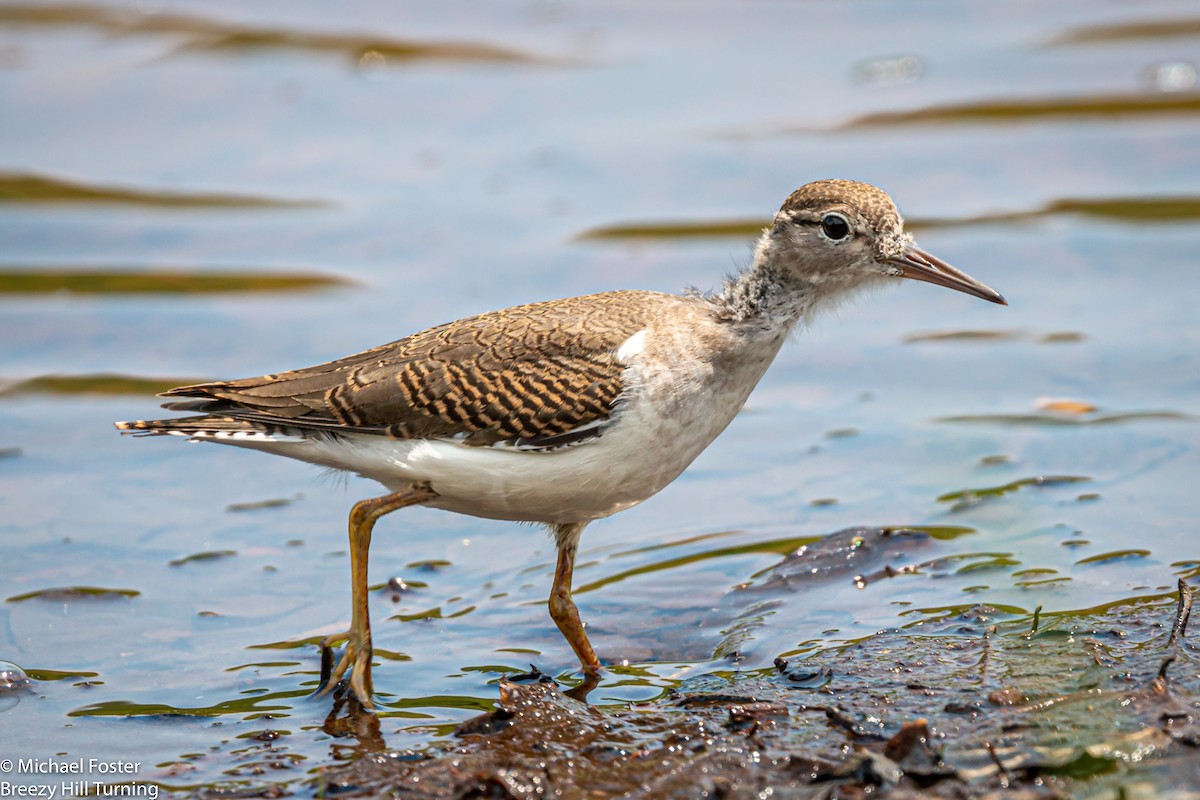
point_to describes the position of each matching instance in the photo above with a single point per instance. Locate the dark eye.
(835, 227)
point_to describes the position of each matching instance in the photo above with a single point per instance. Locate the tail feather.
(211, 427)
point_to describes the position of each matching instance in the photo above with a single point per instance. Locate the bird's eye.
(835, 227)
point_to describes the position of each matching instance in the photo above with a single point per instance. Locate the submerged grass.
(25, 187)
(101, 383)
(203, 33)
(1175, 28)
(1149, 209)
(65, 594)
(1038, 109)
(120, 281)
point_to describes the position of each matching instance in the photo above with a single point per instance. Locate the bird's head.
(837, 236)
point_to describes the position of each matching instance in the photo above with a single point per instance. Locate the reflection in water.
(349, 720)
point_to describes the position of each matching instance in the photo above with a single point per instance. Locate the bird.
(560, 412)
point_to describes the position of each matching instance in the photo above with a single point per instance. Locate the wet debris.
(1183, 613)
(853, 552)
(750, 717)
(800, 677)
(397, 587)
(1010, 696)
(1065, 405)
(980, 704)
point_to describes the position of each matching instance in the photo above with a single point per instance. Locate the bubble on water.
(889, 71)
(12, 680)
(1173, 76)
(371, 63)
(12, 677)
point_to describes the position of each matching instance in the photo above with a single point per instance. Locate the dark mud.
(976, 703)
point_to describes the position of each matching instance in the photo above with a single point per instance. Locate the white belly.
(632, 460)
(575, 484)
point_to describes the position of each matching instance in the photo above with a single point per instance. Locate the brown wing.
(528, 374)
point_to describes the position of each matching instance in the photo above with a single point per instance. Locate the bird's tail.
(210, 427)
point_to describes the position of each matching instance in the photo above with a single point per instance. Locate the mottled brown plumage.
(867, 203)
(526, 375)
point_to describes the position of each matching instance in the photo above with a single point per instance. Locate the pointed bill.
(915, 263)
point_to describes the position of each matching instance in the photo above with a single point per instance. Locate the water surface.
(203, 190)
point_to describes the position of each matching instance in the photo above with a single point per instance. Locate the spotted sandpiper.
(560, 412)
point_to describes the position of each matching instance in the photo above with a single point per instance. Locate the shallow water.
(202, 190)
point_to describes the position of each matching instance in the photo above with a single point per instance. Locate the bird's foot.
(356, 658)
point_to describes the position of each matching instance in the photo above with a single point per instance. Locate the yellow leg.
(562, 607)
(358, 652)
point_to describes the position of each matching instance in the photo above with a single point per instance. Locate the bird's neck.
(767, 293)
